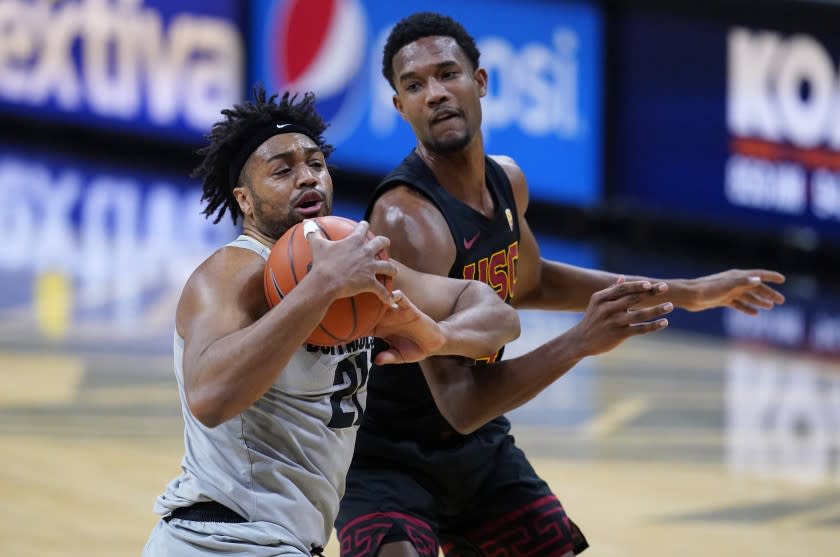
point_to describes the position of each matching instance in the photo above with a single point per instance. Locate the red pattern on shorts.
(362, 536)
(530, 531)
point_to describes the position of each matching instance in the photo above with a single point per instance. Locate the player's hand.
(349, 266)
(744, 290)
(411, 334)
(613, 315)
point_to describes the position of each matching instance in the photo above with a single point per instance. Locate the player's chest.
(316, 373)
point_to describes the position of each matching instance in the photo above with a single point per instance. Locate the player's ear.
(480, 76)
(243, 199)
(398, 105)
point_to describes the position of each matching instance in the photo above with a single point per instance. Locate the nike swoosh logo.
(468, 244)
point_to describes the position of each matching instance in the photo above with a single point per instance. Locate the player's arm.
(470, 395)
(541, 283)
(234, 347)
(548, 284)
(419, 234)
(473, 320)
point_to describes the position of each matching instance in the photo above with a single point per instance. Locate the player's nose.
(436, 93)
(306, 176)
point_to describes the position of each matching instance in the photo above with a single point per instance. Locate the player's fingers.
(648, 327)
(620, 290)
(755, 300)
(381, 292)
(377, 244)
(314, 236)
(644, 287)
(770, 294)
(637, 296)
(745, 308)
(627, 288)
(765, 275)
(311, 230)
(398, 300)
(388, 356)
(385, 268)
(606, 292)
(361, 228)
(648, 314)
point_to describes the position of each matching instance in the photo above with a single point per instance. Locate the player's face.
(287, 181)
(439, 93)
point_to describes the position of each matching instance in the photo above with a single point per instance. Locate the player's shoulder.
(414, 224)
(509, 165)
(228, 282)
(400, 192)
(225, 266)
(402, 205)
(518, 183)
(503, 160)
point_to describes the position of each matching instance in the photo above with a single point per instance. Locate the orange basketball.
(290, 259)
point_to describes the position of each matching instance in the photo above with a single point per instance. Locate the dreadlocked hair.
(425, 24)
(227, 136)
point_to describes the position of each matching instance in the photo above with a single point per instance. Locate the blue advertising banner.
(96, 250)
(543, 59)
(733, 124)
(149, 67)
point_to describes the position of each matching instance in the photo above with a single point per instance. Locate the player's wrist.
(572, 344)
(449, 341)
(683, 293)
(327, 285)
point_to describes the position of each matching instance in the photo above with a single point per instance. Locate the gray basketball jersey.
(283, 461)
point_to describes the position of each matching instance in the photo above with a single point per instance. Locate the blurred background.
(669, 139)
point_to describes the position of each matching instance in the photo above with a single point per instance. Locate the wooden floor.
(679, 445)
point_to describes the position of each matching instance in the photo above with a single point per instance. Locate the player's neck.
(249, 229)
(460, 173)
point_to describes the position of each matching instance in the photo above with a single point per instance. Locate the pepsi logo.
(321, 46)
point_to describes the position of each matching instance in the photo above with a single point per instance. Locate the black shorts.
(475, 497)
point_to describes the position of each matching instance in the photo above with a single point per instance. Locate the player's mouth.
(309, 204)
(444, 115)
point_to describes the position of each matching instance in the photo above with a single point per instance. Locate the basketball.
(290, 259)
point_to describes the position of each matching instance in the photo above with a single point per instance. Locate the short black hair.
(229, 135)
(425, 24)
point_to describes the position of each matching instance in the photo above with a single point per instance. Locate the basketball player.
(434, 463)
(270, 421)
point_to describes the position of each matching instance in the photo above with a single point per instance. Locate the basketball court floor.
(719, 436)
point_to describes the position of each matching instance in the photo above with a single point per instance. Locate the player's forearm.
(681, 292)
(567, 287)
(470, 395)
(564, 287)
(479, 325)
(238, 369)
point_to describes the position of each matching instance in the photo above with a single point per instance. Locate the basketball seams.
(353, 308)
(290, 253)
(322, 229)
(332, 336)
(277, 288)
(351, 334)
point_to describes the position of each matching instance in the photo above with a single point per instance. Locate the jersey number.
(355, 370)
